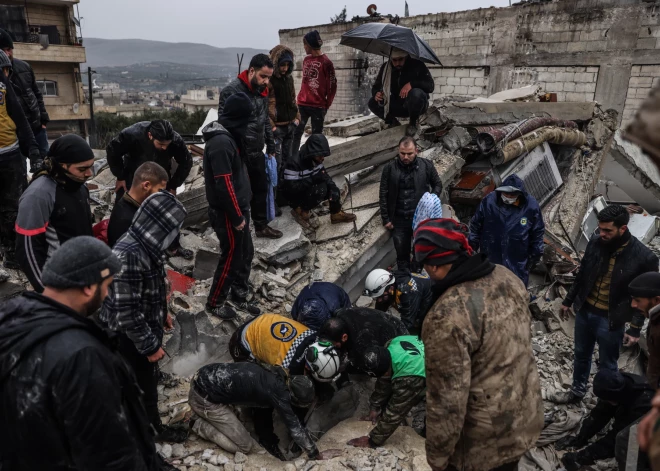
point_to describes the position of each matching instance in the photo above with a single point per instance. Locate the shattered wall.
(583, 50)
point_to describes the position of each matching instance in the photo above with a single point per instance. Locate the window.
(47, 87)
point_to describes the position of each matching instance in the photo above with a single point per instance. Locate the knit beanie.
(237, 111)
(286, 57)
(70, 149)
(79, 262)
(4, 60)
(610, 385)
(302, 389)
(6, 40)
(646, 285)
(441, 241)
(376, 361)
(313, 38)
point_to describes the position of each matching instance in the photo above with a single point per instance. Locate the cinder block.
(574, 96)
(467, 81)
(554, 87)
(638, 82)
(455, 51)
(656, 82)
(462, 73)
(650, 70)
(596, 45)
(439, 81)
(461, 90)
(580, 69)
(469, 50)
(593, 69)
(481, 82)
(635, 70)
(453, 81)
(565, 76)
(483, 50)
(584, 77)
(585, 87)
(447, 89)
(478, 72)
(478, 91)
(569, 87)
(646, 43)
(561, 96)
(448, 72)
(546, 77)
(577, 46)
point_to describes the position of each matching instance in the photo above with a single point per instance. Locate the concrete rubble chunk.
(240, 457)
(206, 261)
(363, 301)
(364, 217)
(292, 246)
(4, 275)
(456, 138)
(328, 231)
(353, 126)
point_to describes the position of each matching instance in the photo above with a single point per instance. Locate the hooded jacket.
(259, 131)
(317, 302)
(282, 107)
(302, 173)
(413, 71)
(28, 93)
(68, 399)
(483, 400)
(225, 175)
(137, 299)
(14, 127)
(132, 147)
(510, 235)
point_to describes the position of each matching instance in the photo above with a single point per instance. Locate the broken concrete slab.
(328, 231)
(293, 245)
(196, 205)
(457, 138)
(353, 126)
(206, 261)
(448, 166)
(364, 217)
(363, 195)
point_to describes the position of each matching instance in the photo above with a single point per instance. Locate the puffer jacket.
(317, 302)
(137, 299)
(28, 94)
(509, 235)
(282, 106)
(483, 401)
(302, 173)
(259, 130)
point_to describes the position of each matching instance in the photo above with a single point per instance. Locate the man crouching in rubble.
(68, 400)
(483, 403)
(645, 293)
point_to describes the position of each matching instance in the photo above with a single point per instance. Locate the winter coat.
(413, 71)
(132, 147)
(319, 82)
(50, 212)
(121, 218)
(317, 302)
(301, 173)
(225, 174)
(137, 298)
(259, 131)
(413, 298)
(426, 179)
(69, 401)
(251, 385)
(29, 94)
(14, 127)
(282, 107)
(509, 235)
(634, 260)
(483, 401)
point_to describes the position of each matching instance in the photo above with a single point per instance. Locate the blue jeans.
(589, 329)
(42, 142)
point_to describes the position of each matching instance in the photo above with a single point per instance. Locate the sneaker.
(172, 434)
(246, 307)
(342, 217)
(222, 311)
(301, 217)
(269, 233)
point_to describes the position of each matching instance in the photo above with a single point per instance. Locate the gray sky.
(227, 23)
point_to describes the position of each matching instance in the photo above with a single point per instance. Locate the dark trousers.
(146, 374)
(310, 197)
(317, 116)
(283, 145)
(591, 329)
(402, 236)
(263, 423)
(236, 253)
(256, 166)
(13, 181)
(42, 141)
(414, 105)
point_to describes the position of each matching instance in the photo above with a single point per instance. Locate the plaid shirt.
(137, 299)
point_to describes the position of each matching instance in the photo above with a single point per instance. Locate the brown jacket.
(483, 401)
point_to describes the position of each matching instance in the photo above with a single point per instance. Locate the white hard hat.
(323, 360)
(377, 281)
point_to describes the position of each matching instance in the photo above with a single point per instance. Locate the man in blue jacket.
(508, 227)
(317, 302)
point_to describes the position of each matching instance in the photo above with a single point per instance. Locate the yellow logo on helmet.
(283, 331)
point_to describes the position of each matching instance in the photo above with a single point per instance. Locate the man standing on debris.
(401, 385)
(318, 87)
(68, 400)
(228, 194)
(54, 208)
(401, 90)
(253, 82)
(149, 178)
(402, 185)
(136, 307)
(645, 293)
(508, 227)
(307, 183)
(282, 107)
(599, 296)
(483, 403)
(317, 302)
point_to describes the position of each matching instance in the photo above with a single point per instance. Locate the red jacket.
(319, 83)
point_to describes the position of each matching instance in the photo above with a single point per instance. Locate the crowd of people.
(79, 353)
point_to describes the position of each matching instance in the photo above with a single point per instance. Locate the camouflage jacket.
(483, 402)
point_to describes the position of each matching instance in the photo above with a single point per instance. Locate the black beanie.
(70, 149)
(610, 385)
(376, 361)
(646, 285)
(313, 38)
(285, 57)
(79, 262)
(302, 389)
(237, 111)
(5, 40)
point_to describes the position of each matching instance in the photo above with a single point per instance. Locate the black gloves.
(574, 461)
(36, 164)
(569, 442)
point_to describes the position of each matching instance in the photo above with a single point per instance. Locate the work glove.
(569, 442)
(36, 165)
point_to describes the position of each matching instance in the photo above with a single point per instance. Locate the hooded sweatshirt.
(301, 173)
(319, 82)
(137, 299)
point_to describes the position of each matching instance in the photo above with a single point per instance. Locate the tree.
(339, 18)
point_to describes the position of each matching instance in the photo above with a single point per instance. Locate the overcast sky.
(226, 23)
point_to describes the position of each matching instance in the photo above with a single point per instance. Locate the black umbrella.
(381, 38)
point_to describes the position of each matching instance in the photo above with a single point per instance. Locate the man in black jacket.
(65, 390)
(29, 95)
(623, 397)
(599, 296)
(402, 184)
(282, 106)
(307, 184)
(253, 82)
(228, 193)
(401, 89)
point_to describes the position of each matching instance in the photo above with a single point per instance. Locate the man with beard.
(228, 194)
(645, 293)
(136, 306)
(599, 296)
(54, 208)
(253, 82)
(65, 391)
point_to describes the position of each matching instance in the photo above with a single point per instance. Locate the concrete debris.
(353, 126)
(456, 138)
(292, 246)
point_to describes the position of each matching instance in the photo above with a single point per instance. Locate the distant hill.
(122, 52)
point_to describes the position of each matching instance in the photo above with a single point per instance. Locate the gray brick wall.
(642, 79)
(460, 81)
(569, 83)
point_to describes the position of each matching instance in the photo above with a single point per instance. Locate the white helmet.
(323, 360)
(377, 281)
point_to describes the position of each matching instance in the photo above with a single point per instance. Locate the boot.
(172, 434)
(222, 311)
(412, 130)
(302, 217)
(342, 217)
(269, 233)
(243, 305)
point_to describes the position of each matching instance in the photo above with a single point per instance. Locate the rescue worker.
(479, 359)
(622, 397)
(508, 227)
(645, 293)
(55, 207)
(317, 302)
(307, 183)
(409, 293)
(401, 385)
